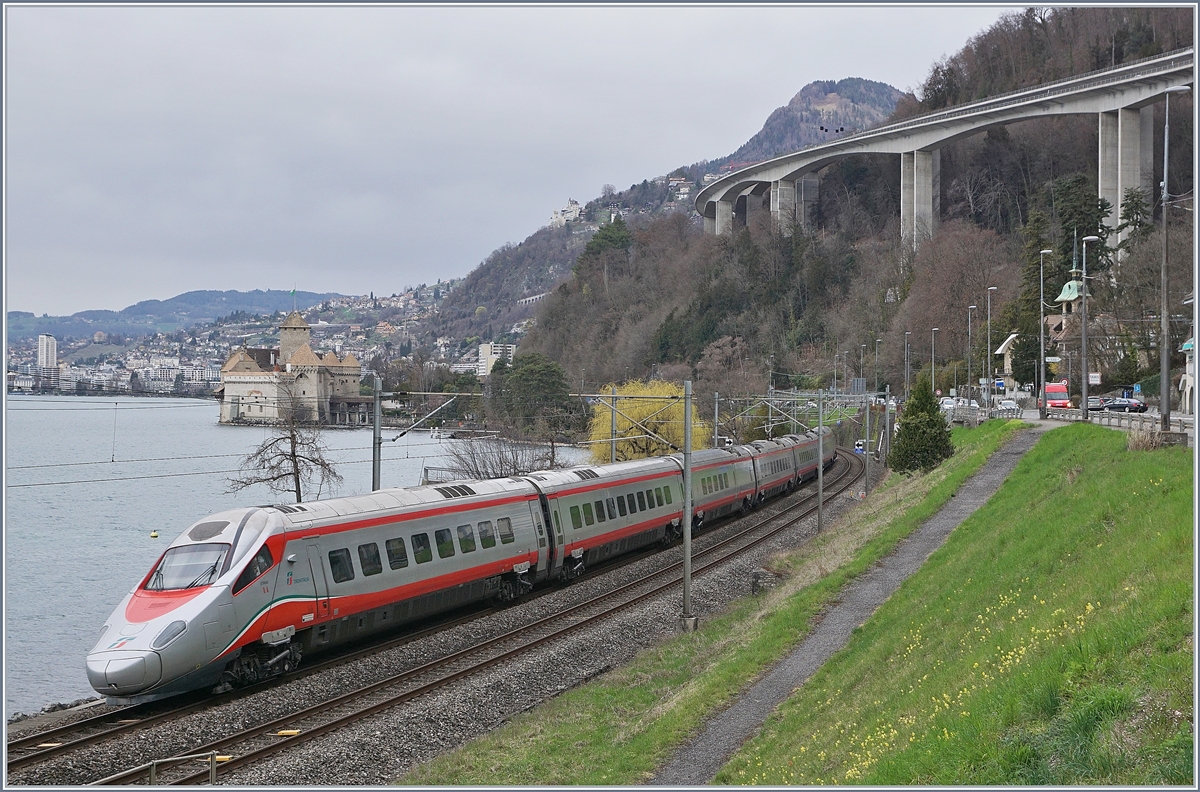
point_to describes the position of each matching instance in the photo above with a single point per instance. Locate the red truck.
(1056, 395)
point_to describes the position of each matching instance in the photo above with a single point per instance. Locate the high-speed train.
(243, 595)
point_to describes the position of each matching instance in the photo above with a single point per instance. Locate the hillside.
(153, 316)
(821, 111)
(547, 256)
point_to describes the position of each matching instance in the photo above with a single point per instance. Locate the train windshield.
(188, 566)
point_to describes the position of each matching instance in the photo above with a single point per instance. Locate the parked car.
(1097, 403)
(1126, 405)
(1009, 404)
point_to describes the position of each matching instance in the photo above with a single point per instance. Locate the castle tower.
(293, 334)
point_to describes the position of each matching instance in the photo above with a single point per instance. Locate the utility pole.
(612, 441)
(716, 418)
(377, 439)
(687, 621)
(820, 460)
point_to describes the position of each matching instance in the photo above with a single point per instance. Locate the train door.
(317, 571)
(549, 548)
(253, 592)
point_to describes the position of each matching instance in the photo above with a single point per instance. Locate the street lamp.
(1083, 361)
(969, 350)
(907, 333)
(1164, 340)
(989, 352)
(877, 340)
(1042, 331)
(862, 376)
(933, 362)
(834, 389)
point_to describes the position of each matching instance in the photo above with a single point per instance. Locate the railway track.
(253, 744)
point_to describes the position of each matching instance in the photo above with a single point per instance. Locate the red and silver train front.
(165, 635)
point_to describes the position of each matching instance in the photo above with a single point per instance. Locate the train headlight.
(169, 633)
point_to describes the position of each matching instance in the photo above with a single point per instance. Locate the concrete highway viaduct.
(1122, 97)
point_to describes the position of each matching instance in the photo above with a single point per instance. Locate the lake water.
(86, 482)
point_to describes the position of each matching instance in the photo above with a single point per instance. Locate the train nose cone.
(123, 672)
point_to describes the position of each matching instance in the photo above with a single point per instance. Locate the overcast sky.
(151, 151)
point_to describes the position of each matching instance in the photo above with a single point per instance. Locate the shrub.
(924, 438)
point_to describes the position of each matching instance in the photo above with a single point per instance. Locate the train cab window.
(445, 542)
(368, 559)
(587, 514)
(188, 566)
(504, 526)
(340, 565)
(620, 505)
(466, 538)
(658, 496)
(261, 562)
(612, 508)
(487, 537)
(576, 520)
(600, 511)
(667, 494)
(422, 550)
(641, 498)
(397, 555)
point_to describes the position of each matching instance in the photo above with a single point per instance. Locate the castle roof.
(304, 356)
(244, 360)
(294, 320)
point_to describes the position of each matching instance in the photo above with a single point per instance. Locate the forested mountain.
(153, 316)
(724, 311)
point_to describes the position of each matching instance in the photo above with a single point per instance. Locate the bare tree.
(493, 457)
(293, 457)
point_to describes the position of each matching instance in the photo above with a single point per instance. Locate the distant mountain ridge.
(852, 105)
(155, 316)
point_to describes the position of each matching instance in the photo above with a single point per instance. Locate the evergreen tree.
(924, 438)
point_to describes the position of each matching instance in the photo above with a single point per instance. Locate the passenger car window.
(397, 556)
(487, 538)
(587, 514)
(600, 511)
(632, 503)
(261, 562)
(650, 498)
(466, 538)
(612, 508)
(340, 566)
(641, 498)
(576, 520)
(658, 496)
(445, 542)
(422, 552)
(621, 505)
(667, 493)
(504, 526)
(368, 559)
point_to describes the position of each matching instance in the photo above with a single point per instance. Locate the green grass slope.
(1049, 641)
(617, 729)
